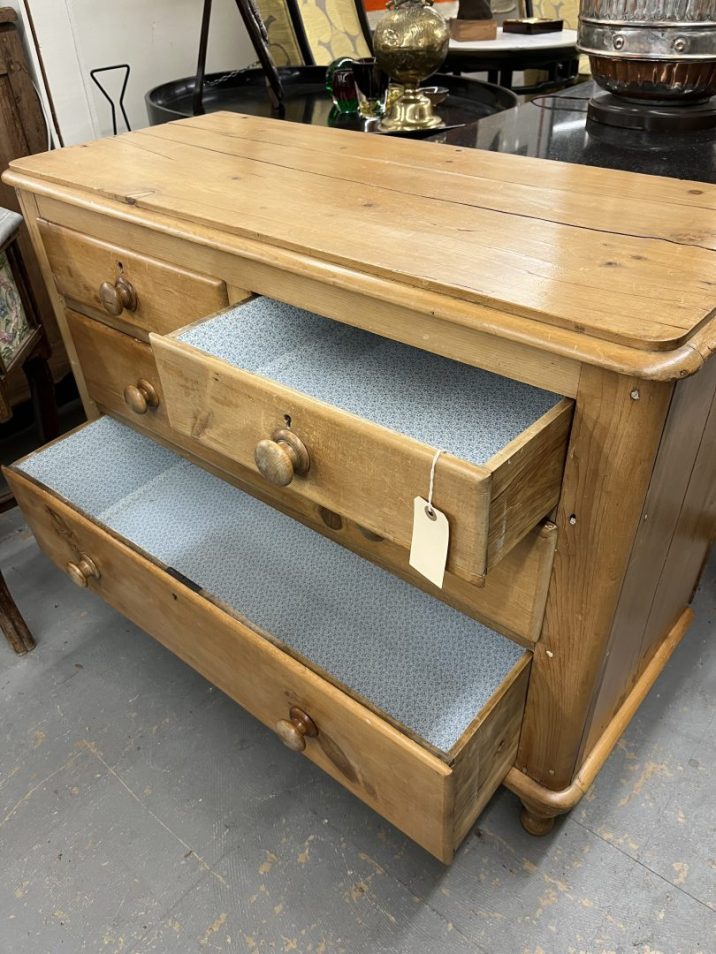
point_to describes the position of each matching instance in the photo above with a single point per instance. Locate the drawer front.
(120, 373)
(364, 471)
(515, 592)
(418, 792)
(131, 291)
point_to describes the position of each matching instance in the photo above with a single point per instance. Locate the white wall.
(158, 38)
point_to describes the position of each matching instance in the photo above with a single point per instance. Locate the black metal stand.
(108, 69)
(259, 40)
(610, 110)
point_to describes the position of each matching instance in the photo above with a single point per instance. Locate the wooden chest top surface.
(616, 257)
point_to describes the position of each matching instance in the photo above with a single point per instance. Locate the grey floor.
(142, 811)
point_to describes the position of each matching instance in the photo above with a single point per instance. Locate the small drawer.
(351, 421)
(409, 704)
(117, 366)
(120, 373)
(130, 291)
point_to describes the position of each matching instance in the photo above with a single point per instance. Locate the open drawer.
(351, 421)
(411, 705)
(512, 601)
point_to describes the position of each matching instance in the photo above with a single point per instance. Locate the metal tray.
(306, 100)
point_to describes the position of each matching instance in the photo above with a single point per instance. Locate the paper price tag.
(429, 545)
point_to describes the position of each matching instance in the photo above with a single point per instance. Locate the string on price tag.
(431, 534)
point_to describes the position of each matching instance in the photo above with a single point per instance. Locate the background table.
(553, 53)
(306, 99)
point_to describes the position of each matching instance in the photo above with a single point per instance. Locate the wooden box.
(464, 30)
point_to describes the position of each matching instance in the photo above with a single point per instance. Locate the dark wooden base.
(12, 623)
(42, 389)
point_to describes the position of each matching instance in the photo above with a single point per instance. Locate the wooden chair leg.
(44, 402)
(13, 625)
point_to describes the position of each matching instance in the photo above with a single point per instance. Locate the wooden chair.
(23, 343)
(314, 32)
(567, 10)
(23, 346)
(507, 9)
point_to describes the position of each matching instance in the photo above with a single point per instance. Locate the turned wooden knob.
(118, 297)
(282, 457)
(293, 733)
(81, 571)
(140, 396)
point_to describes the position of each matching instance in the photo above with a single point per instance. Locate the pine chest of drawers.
(275, 329)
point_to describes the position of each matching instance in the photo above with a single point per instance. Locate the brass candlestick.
(411, 43)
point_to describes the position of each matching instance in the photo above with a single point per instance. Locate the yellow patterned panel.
(332, 29)
(504, 9)
(283, 44)
(567, 10)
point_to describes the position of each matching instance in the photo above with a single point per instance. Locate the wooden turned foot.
(536, 824)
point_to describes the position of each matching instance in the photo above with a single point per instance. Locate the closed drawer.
(120, 373)
(364, 417)
(411, 705)
(126, 289)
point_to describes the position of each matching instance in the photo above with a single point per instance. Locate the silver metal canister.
(663, 51)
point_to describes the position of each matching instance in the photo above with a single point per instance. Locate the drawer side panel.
(490, 750)
(527, 480)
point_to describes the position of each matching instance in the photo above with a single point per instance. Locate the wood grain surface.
(480, 335)
(621, 257)
(673, 540)
(488, 755)
(28, 207)
(615, 439)
(167, 297)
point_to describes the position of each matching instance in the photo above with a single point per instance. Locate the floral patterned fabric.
(15, 329)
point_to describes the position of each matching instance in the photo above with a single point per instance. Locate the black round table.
(306, 100)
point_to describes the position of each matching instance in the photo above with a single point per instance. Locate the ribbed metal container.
(660, 50)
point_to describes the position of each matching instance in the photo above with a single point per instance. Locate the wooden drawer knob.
(81, 571)
(282, 457)
(141, 396)
(118, 297)
(293, 733)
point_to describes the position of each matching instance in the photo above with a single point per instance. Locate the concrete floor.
(142, 811)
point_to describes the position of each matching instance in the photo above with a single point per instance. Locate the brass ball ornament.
(410, 43)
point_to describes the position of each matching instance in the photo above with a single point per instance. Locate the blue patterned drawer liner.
(468, 412)
(425, 664)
